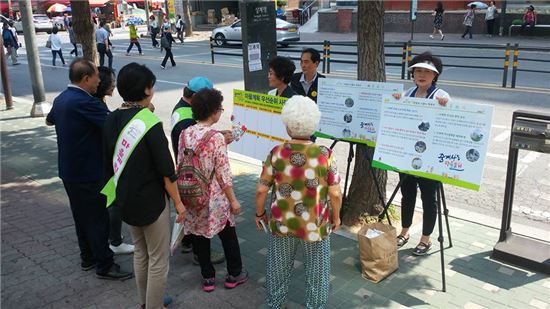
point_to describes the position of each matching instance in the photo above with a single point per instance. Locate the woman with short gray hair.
(303, 177)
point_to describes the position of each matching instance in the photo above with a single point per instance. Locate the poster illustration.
(261, 114)
(254, 57)
(350, 109)
(444, 143)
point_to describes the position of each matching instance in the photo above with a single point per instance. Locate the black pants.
(468, 30)
(231, 250)
(168, 55)
(91, 221)
(55, 53)
(115, 224)
(75, 50)
(490, 26)
(428, 191)
(102, 49)
(132, 45)
(530, 24)
(180, 34)
(154, 38)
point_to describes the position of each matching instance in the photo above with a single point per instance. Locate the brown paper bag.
(379, 254)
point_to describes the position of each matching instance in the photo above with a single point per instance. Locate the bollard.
(212, 50)
(506, 65)
(328, 57)
(409, 57)
(324, 56)
(404, 61)
(515, 65)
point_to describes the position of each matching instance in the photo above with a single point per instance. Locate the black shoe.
(115, 273)
(85, 266)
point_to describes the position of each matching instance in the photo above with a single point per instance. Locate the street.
(532, 201)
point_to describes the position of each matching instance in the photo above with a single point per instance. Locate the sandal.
(422, 248)
(402, 240)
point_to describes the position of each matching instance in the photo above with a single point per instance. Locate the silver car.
(41, 23)
(286, 32)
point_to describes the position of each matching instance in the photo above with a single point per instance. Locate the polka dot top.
(300, 175)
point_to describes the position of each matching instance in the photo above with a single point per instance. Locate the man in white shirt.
(102, 41)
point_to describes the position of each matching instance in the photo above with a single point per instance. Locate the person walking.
(134, 40)
(300, 212)
(490, 16)
(469, 21)
(140, 179)
(280, 75)
(9, 43)
(166, 43)
(438, 14)
(217, 215)
(180, 28)
(102, 41)
(55, 42)
(78, 118)
(529, 19)
(425, 71)
(72, 39)
(182, 118)
(154, 30)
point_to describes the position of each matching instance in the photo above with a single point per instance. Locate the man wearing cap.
(305, 83)
(182, 118)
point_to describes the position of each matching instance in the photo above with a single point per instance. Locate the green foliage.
(392, 212)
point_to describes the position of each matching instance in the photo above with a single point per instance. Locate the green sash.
(127, 141)
(180, 114)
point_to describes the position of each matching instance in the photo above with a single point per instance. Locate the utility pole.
(40, 107)
(147, 16)
(502, 18)
(5, 77)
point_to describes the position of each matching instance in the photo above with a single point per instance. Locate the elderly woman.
(140, 180)
(304, 178)
(218, 216)
(280, 73)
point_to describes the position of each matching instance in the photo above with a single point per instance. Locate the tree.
(363, 196)
(187, 17)
(84, 28)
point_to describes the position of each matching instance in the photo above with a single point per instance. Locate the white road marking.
(502, 136)
(530, 157)
(498, 126)
(497, 156)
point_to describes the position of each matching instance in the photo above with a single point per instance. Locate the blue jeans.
(55, 53)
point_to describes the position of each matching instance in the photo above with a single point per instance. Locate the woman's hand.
(335, 223)
(181, 212)
(235, 207)
(397, 96)
(228, 136)
(262, 218)
(442, 101)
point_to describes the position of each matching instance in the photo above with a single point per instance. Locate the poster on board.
(444, 143)
(261, 114)
(350, 109)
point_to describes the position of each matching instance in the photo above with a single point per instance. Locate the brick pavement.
(40, 261)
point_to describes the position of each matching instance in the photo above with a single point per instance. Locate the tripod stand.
(440, 200)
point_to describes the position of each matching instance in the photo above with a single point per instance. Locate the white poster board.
(350, 109)
(444, 143)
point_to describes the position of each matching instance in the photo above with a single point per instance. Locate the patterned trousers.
(280, 262)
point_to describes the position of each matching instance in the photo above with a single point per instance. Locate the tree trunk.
(84, 29)
(187, 17)
(363, 196)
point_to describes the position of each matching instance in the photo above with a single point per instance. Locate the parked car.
(41, 23)
(286, 32)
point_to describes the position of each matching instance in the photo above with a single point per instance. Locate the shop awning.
(141, 1)
(97, 3)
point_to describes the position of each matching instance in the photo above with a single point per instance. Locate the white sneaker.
(122, 249)
(431, 36)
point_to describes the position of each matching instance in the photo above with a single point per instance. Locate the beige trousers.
(151, 253)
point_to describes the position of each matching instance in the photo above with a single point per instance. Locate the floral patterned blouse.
(209, 221)
(300, 175)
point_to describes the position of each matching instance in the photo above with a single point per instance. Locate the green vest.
(181, 114)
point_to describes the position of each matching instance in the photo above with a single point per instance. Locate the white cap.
(426, 65)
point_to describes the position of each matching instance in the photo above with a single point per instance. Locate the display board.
(261, 114)
(350, 109)
(445, 143)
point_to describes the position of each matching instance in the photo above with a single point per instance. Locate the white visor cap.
(426, 65)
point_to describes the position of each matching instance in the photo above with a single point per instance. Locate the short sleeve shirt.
(101, 35)
(300, 176)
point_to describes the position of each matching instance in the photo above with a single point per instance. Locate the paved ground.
(40, 262)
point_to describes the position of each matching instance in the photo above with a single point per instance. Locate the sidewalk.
(40, 258)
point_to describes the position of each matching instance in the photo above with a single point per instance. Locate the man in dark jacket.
(305, 83)
(78, 118)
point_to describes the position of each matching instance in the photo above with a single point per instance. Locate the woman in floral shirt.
(219, 217)
(304, 179)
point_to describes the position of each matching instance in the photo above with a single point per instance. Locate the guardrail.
(407, 54)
